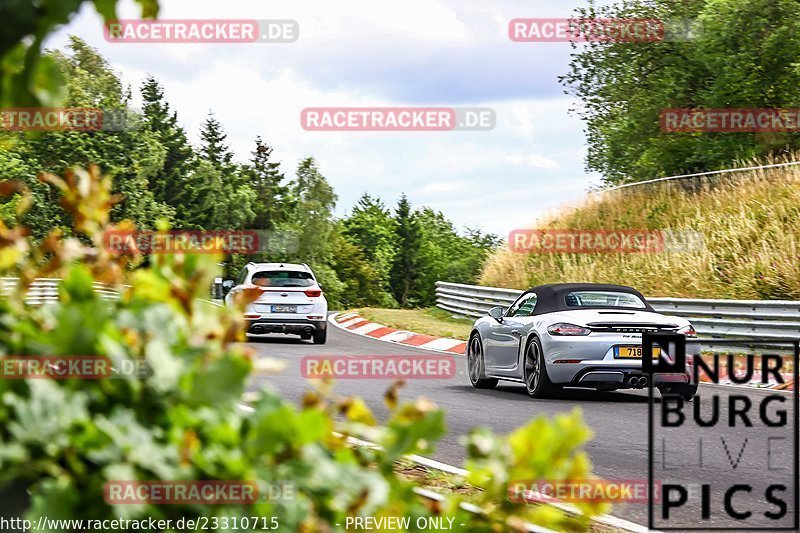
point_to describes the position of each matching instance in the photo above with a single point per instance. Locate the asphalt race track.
(619, 419)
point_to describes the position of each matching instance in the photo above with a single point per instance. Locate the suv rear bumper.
(296, 326)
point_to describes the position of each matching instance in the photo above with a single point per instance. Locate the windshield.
(282, 278)
(603, 299)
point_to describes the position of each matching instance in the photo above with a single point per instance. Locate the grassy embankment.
(431, 321)
(750, 223)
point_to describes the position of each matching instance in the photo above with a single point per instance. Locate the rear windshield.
(603, 299)
(282, 278)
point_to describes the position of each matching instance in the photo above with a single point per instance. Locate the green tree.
(370, 226)
(230, 194)
(266, 179)
(313, 214)
(406, 267)
(176, 183)
(735, 57)
(214, 147)
(131, 153)
(448, 255)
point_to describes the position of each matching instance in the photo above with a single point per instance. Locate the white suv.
(292, 300)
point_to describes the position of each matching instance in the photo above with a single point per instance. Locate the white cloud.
(438, 187)
(532, 160)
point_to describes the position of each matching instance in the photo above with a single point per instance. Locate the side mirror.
(497, 313)
(227, 285)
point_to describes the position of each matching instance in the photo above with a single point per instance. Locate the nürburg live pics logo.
(726, 460)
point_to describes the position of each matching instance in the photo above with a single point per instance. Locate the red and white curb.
(739, 367)
(361, 326)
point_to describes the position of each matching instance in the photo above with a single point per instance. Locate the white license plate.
(284, 308)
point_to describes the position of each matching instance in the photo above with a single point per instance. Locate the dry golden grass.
(750, 222)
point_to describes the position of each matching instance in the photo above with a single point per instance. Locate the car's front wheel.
(685, 390)
(537, 382)
(475, 366)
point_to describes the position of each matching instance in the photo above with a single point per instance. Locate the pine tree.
(176, 184)
(266, 179)
(406, 265)
(214, 149)
(230, 194)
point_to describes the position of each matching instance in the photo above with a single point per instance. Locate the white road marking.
(441, 344)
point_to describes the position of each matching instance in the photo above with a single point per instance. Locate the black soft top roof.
(551, 298)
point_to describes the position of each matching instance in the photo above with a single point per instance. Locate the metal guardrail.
(759, 320)
(45, 290)
(698, 175)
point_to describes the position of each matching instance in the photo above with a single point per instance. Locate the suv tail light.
(313, 293)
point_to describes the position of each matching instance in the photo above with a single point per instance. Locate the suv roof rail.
(306, 266)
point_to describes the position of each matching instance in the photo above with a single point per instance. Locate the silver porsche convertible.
(574, 335)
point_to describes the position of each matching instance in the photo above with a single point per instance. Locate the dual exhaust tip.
(260, 330)
(638, 381)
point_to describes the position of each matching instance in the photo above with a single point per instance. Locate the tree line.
(372, 256)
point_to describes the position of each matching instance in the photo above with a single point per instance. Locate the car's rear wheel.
(685, 390)
(320, 336)
(475, 366)
(537, 382)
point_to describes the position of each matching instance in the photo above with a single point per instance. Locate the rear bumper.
(623, 377)
(295, 326)
(589, 361)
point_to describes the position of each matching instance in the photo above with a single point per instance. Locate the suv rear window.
(282, 278)
(603, 299)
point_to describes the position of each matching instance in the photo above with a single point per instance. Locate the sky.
(358, 53)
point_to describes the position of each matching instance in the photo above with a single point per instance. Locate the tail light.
(564, 329)
(689, 331)
(313, 293)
